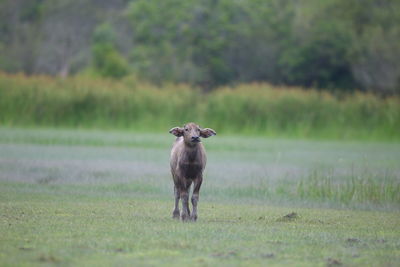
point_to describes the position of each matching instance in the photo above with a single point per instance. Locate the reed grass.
(357, 188)
(256, 109)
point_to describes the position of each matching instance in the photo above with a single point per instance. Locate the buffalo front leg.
(175, 213)
(195, 197)
(184, 194)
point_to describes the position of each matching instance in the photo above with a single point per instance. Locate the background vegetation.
(332, 44)
(259, 109)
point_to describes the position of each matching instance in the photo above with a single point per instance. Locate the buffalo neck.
(191, 152)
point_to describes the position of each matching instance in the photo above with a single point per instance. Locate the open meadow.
(301, 99)
(91, 197)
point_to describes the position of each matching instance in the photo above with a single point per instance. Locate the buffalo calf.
(188, 160)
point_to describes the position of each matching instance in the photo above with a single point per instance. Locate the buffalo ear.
(207, 132)
(177, 131)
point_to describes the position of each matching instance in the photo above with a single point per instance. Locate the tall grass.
(356, 190)
(252, 109)
(360, 188)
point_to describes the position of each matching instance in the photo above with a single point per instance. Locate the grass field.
(90, 197)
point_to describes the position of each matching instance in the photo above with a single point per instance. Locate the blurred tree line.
(332, 44)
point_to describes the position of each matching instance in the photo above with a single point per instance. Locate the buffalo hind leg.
(176, 213)
(195, 197)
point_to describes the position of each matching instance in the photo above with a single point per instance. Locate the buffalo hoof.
(175, 214)
(185, 217)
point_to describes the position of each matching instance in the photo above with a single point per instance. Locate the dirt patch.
(46, 180)
(25, 248)
(333, 262)
(289, 217)
(267, 255)
(50, 259)
(353, 240)
(224, 254)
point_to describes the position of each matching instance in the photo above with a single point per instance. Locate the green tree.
(107, 61)
(321, 60)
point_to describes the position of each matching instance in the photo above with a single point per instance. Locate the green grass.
(255, 109)
(53, 227)
(336, 174)
(367, 188)
(101, 198)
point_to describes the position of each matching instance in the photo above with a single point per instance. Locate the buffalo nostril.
(195, 138)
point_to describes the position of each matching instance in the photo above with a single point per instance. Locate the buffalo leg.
(184, 194)
(195, 197)
(175, 213)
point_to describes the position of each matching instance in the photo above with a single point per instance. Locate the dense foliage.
(259, 109)
(333, 44)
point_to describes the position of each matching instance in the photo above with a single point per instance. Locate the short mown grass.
(337, 174)
(104, 198)
(53, 227)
